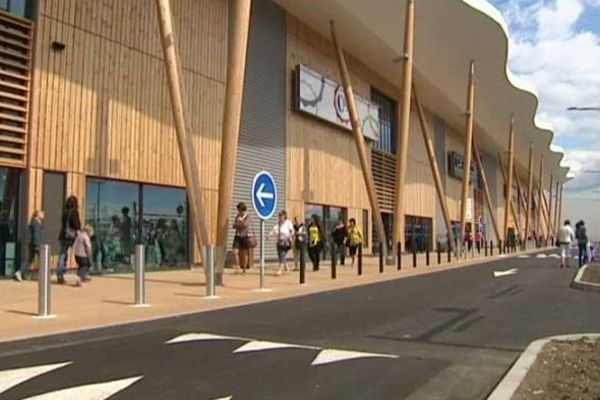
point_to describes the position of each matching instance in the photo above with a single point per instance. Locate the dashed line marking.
(329, 356)
(260, 345)
(512, 271)
(95, 391)
(196, 337)
(225, 398)
(13, 377)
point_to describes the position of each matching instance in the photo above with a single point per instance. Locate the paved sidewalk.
(107, 299)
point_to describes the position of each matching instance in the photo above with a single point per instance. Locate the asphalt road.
(449, 335)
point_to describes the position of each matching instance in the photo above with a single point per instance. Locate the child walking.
(83, 254)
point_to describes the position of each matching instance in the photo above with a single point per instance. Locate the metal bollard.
(427, 254)
(302, 265)
(399, 255)
(491, 248)
(333, 261)
(414, 254)
(500, 247)
(381, 258)
(485, 248)
(449, 253)
(439, 253)
(140, 278)
(44, 306)
(209, 269)
(360, 260)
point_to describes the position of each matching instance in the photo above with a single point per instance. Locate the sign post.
(264, 201)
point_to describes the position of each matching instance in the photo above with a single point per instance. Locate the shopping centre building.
(85, 111)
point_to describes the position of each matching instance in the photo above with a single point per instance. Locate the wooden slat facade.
(16, 43)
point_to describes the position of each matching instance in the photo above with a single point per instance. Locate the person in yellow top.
(355, 238)
(315, 242)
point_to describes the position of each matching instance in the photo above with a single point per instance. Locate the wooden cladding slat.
(15, 68)
(383, 166)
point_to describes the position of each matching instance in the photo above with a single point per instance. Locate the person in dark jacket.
(582, 241)
(36, 232)
(70, 225)
(339, 235)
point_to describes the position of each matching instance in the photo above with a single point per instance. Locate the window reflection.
(9, 190)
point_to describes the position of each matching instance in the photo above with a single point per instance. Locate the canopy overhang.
(449, 34)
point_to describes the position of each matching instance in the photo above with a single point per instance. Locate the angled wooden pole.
(546, 212)
(540, 191)
(522, 203)
(556, 219)
(467, 152)
(237, 46)
(359, 139)
(560, 205)
(403, 131)
(435, 171)
(486, 189)
(508, 203)
(182, 125)
(529, 195)
(550, 221)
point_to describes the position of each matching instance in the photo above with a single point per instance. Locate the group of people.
(567, 236)
(294, 235)
(72, 236)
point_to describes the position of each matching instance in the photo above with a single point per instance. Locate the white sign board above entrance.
(323, 98)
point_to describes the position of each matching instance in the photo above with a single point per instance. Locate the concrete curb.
(578, 283)
(507, 387)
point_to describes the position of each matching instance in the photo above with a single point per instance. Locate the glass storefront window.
(387, 122)
(417, 233)
(328, 217)
(9, 192)
(112, 208)
(22, 8)
(164, 226)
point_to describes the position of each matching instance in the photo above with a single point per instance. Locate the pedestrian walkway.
(107, 299)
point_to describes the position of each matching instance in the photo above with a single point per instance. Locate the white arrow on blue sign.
(264, 195)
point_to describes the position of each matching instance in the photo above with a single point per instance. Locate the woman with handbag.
(284, 232)
(70, 226)
(243, 241)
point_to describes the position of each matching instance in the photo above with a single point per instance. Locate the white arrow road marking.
(96, 391)
(507, 272)
(524, 256)
(541, 256)
(329, 356)
(555, 255)
(261, 195)
(260, 345)
(225, 398)
(13, 377)
(195, 337)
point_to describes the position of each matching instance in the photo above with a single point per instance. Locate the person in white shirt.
(82, 248)
(566, 236)
(284, 233)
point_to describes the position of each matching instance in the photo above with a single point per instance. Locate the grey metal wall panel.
(262, 143)
(439, 142)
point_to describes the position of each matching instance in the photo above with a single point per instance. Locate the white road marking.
(225, 398)
(260, 345)
(13, 377)
(329, 356)
(503, 255)
(524, 256)
(504, 273)
(541, 256)
(195, 337)
(554, 255)
(95, 391)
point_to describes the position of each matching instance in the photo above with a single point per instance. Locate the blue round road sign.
(264, 195)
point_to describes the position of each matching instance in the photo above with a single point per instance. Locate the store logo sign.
(325, 99)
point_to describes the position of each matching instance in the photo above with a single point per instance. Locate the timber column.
(529, 195)
(239, 24)
(556, 218)
(540, 200)
(467, 153)
(182, 125)
(359, 139)
(508, 204)
(403, 132)
(550, 220)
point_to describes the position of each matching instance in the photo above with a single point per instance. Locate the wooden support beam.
(403, 132)
(556, 219)
(521, 199)
(550, 221)
(546, 212)
(467, 151)
(237, 46)
(540, 191)
(182, 125)
(528, 223)
(359, 139)
(486, 190)
(508, 203)
(435, 171)
(560, 205)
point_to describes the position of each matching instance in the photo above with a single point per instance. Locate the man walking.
(566, 236)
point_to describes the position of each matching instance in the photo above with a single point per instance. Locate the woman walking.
(243, 239)
(582, 242)
(315, 243)
(36, 230)
(284, 232)
(355, 239)
(70, 225)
